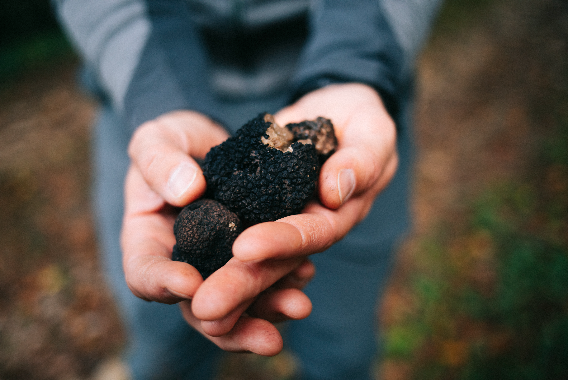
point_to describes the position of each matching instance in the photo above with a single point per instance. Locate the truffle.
(263, 173)
(205, 231)
(320, 132)
(266, 172)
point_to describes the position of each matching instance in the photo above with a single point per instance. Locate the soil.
(485, 86)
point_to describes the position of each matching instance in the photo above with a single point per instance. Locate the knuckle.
(316, 234)
(140, 136)
(148, 164)
(253, 274)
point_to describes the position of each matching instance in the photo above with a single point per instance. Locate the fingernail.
(345, 184)
(181, 179)
(179, 295)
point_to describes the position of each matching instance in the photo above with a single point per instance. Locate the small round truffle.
(205, 231)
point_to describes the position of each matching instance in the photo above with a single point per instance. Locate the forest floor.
(491, 126)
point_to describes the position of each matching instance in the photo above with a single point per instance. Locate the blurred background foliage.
(29, 37)
(492, 295)
(487, 292)
(481, 288)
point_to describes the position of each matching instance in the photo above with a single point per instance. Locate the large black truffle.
(266, 172)
(205, 231)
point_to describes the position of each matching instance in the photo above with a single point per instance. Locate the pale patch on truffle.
(320, 132)
(278, 137)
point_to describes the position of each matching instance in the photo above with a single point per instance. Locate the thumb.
(366, 158)
(162, 150)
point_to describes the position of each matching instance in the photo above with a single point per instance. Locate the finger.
(352, 171)
(248, 334)
(147, 241)
(162, 149)
(274, 240)
(255, 335)
(307, 234)
(289, 307)
(298, 278)
(312, 231)
(279, 305)
(274, 305)
(160, 279)
(268, 240)
(222, 326)
(236, 283)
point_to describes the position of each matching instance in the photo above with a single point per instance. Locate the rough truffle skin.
(257, 182)
(205, 231)
(320, 132)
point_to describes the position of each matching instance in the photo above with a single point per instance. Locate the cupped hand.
(163, 176)
(237, 305)
(363, 164)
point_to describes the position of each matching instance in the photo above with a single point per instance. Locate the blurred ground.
(53, 307)
(492, 88)
(492, 107)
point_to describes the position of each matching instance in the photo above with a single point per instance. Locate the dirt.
(484, 91)
(53, 306)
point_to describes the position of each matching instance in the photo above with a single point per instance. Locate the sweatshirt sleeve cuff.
(352, 44)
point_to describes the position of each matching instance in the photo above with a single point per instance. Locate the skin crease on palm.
(237, 306)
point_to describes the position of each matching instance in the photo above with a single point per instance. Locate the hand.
(247, 323)
(350, 180)
(162, 175)
(364, 163)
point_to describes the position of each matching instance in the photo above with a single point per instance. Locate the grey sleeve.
(375, 42)
(148, 59)
(145, 54)
(109, 35)
(410, 21)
